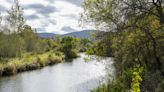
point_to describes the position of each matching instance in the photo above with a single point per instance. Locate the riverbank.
(74, 76)
(29, 62)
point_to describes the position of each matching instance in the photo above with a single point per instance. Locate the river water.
(74, 76)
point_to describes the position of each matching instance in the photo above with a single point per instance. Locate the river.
(74, 76)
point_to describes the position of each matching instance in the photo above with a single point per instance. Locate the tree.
(15, 17)
(57, 41)
(32, 42)
(84, 44)
(11, 45)
(137, 27)
(69, 46)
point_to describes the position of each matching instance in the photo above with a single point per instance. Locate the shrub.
(41, 62)
(160, 88)
(101, 88)
(58, 53)
(115, 86)
(71, 54)
(1, 69)
(58, 59)
(151, 81)
(33, 65)
(20, 66)
(54, 59)
(10, 69)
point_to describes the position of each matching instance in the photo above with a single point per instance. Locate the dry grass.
(29, 62)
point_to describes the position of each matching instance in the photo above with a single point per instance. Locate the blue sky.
(55, 16)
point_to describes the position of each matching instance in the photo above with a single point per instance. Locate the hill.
(46, 35)
(79, 34)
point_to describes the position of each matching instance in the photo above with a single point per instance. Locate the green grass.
(29, 62)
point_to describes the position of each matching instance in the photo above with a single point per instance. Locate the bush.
(59, 53)
(10, 69)
(41, 62)
(33, 65)
(1, 69)
(71, 54)
(151, 81)
(20, 66)
(54, 59)
(160, 88)
(58, 59)
(115, 86)
(69, 47)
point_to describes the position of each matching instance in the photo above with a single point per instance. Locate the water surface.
(75, 76)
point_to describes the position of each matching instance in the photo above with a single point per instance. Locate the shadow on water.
(69, 60)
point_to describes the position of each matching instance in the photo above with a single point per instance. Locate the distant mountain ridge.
(79, 34)
(46, 35)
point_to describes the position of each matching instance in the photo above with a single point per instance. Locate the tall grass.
(29, 62)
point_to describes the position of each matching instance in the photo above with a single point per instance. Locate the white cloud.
(50, 15)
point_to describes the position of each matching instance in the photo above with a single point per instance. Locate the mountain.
(79, 34)
(46, 35)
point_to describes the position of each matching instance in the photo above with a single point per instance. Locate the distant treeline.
(17, 38)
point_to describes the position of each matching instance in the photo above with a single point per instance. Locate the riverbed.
(77, 75)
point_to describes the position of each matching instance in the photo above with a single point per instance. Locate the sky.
(52, 16)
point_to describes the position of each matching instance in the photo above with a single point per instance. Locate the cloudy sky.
(55, 16)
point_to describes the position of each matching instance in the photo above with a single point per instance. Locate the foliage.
(10, 45)
(32, 42)
(54, 59)
(70, 46)
(19, 37)
(15, 17)
(28, 62)
(51, 44)
(136, 79)
(84, 44)
(102, 47)
(9, 69)
(136, 37)
(20, 47)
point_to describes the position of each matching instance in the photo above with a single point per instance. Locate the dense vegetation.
(101, 45)
(21, 49)
(134, 37)
(16, 37)
(136, 40)
(71, 46)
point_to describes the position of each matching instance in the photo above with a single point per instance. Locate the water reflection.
(75, 76)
